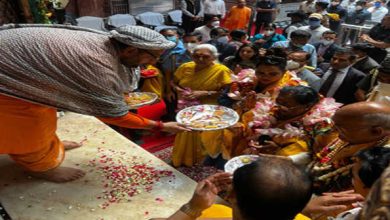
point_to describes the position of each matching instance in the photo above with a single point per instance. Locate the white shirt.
(377, 14)
(316, 34)
(341, 74)
(214, 7)
(380, 93)
(308, 8)
(347, 4)
(205, 32)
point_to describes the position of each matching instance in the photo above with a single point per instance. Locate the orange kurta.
(238, 18)
(28, 133)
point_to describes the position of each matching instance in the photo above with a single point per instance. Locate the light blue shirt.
(307, 48)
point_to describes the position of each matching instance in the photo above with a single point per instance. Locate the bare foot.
(59, 174)
(69, 145)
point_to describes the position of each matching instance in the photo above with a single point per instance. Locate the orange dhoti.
(28, 134)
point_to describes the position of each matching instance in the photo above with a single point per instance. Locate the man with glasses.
(44, 68)
(358, 126)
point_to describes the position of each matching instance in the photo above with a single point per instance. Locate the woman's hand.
(195, 95)
(174, 127)
(206, 191)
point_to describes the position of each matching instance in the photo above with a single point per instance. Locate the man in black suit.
(326, 47)
(339, 79)
(363, 62)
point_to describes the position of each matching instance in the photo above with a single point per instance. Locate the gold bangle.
(191, 212)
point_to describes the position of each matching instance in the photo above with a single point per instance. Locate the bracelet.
(159, 126)
(188, 210)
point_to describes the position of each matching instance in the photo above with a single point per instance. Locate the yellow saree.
(232, 141)
(188, 149)
(153, 84)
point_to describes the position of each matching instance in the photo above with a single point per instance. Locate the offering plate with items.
(207, 117)
(138, 99)
(239, 161)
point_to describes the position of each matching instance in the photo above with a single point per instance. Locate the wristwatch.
(193, 213)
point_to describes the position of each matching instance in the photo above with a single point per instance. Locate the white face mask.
(269, 33)
(190, 46)
(224, 39)
(327, 42)
(292, 65)
(215, 23)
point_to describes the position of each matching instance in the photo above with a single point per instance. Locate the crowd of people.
(316, 112)
(305, 100)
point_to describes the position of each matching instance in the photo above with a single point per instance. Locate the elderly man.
(340, 79)
(269, 188)
(359, 126)
(44, 67)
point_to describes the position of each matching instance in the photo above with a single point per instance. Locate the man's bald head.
(363, 121)
(271, 188)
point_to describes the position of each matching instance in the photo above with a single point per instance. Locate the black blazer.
(329, 52)
(366, 65)
(346, 92)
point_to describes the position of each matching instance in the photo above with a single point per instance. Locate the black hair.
(274, 57)
(361, 3)
(373, 162)
(322, 5)
(304, 95)
(348, 51)
(207, 18)
(307, 55)
(271, 188)
(329, 32)
(194, 34)
(270, 25)
(364, 47)
(300, 34)
(237, 34)
(168, 29)
(216, 31)
(254, 47)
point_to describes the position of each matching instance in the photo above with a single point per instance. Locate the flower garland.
(318, 119)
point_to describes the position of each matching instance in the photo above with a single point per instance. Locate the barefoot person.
(43, 68)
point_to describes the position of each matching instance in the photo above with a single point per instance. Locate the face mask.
(314, 23)
(292, 65)
(190, 46)
(335, 3)
(377, 4)
(215, 23)
(269, 33)
(327, 42)
(171, 38)
(358, 8)
(223, 39)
